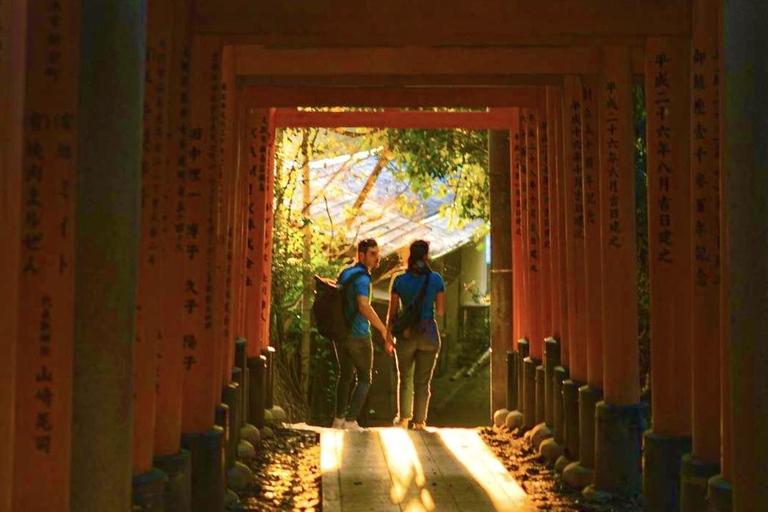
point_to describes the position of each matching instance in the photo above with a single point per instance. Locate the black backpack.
(328, 307)
(411, 315)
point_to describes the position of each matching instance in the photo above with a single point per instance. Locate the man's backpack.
(410, 316)
(329, 306)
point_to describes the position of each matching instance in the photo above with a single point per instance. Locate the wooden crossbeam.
(255, 60)
(440, 22)
(405, 97)
(495, 119)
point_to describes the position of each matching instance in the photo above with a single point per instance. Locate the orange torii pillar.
(259, 127)
(45, 273)
(513, 353)
(704, 208)
(552, 448)
(559, 274)
(240, 254)
(746, 204)
(575, 262)
(519, 256)
(551, 241)
(533, 284)
(266, 274)
(545, 268)
(580, 474)
(173, 50)
(620, 416)
(499, 169)
(149, 482)
(667, 94)
(230, 172)
(720, 491)
(12, 57)
(201, 436)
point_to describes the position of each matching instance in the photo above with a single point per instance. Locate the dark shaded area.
(542, 483)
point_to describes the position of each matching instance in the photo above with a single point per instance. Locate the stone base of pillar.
(551, 450)
(578, 476)
(618, 447)
(561, 374)
(720, 495)
(539, 434)
(694, 482)
(149, 491)
(529, 392)
(512, 380)
(178, 469)
(571, 418)
(541, 396)
(588, 398)
(208, 473)
(230, 396)
(662, 456)
(562, 462)
(551, 361)
(256, 390)
(224, 420)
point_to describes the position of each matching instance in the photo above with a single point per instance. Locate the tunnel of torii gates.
(136, 182)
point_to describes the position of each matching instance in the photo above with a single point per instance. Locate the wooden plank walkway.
(391, 469)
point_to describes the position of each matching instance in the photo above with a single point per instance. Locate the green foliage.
(459, 158)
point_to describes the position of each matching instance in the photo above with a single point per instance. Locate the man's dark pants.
(355, 358)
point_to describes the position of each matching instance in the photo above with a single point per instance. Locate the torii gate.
(85, 138)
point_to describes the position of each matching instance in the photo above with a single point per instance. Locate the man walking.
(355, 354)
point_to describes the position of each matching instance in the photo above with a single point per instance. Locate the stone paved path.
(391, 469)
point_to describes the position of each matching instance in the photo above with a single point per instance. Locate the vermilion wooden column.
(266, 279)
(256, 158)
(200, 397)
(669, 245)
(170, 370)
(591, 392)
(149, 316)
(619, 416)
(230, 176)
(553, 163)
(704, 256)
(518, 239)
(12, 57)
(242, 217)
(44, 358)
(559, 184)
(534, 236)
(574, 227)
(534, 265)
(723, 480)
(545, 217)
(200, 358)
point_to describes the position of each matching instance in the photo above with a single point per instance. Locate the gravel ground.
(541, 483)
(287, 469)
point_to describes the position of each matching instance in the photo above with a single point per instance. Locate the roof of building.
(382, 217)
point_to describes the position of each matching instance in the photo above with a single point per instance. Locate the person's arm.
(394, 308)
(440, 303)
(365, 309)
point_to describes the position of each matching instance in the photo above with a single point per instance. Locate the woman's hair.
(416, 259)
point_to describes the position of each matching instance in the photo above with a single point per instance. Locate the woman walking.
(418, 345)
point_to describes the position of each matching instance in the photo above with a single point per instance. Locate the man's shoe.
(402, 423)
(338, 422)
(353, 426)
(418, 426)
